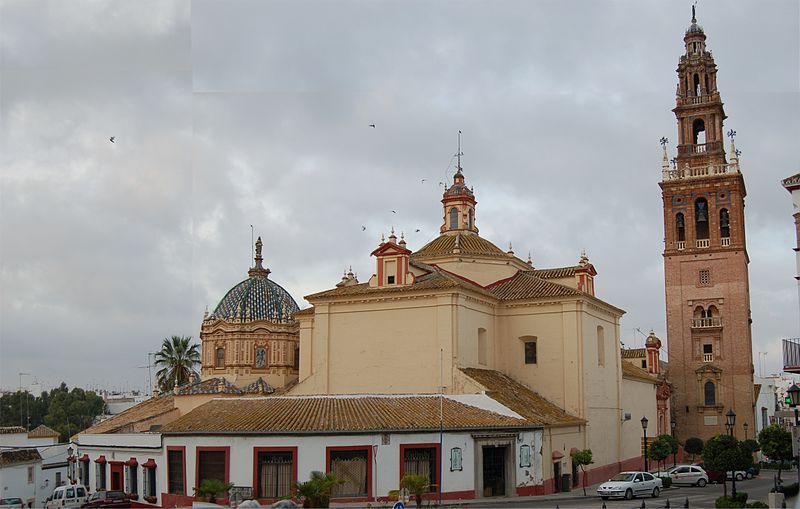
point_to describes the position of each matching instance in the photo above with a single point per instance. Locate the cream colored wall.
(639, 399)
(483, 272)
(380, 346)
(562, 440)
(473, 314)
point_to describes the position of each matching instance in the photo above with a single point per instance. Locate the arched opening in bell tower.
(696, 86)
(701, 218)
(724, 223)
(698, 131)
(454, 218)
(680, 227)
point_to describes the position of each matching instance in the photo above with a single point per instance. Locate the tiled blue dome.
(257, 298)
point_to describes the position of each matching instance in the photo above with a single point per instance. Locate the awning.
(131, 462)
(573, 451)
(101, 459)
(150, 463)
(557, 455)
(84, 458)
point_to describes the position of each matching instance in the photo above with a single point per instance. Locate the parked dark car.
(111, 498)
(714, 476)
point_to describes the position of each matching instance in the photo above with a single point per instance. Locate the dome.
(694, 28)
(257, 298)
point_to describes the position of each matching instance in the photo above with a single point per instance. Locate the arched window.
(724, 223)
(454, 218)
(696, 85)
(710, 394)
(701, 218)
(220, 358)
(680, 227)
(482, 346)
(470, 219)
(699, 312)
(601, 346)
(699, 131)
(712, 312)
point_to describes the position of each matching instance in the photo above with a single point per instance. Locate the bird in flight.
(112, 139)
(372, 126)
(416, 231)
(423, 181)
(394, 212)
(363, 228)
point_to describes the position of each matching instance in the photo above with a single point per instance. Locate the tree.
(581, 459)
(776, 444)
(72, 411)
(316, 492)
(178, 361)
(660, 448)
(725, 453)
(416, 484)
(693, 446)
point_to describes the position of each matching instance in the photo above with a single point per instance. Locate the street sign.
(399, 505)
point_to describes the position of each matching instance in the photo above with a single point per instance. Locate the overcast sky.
(227, 114)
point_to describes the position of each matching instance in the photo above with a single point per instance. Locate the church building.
(705, 257)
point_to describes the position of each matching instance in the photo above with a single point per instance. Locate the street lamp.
(794, 400)
(730, 422)
(644, 429)
(672, 425)
(745, 426)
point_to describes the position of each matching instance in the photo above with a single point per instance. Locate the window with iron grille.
(421, 461)
(211, 465)
(275, 474)
(175, 468)
(705, 277)
(352, 467)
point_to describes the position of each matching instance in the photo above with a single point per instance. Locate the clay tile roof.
(791, 182)
(526, 285)
(336, 414)
(435, 281)
(43, 431)
(634, 353)
(516, 396)
(555, 273)
(7, 430)
(306, 311)
(469, 244)
(14, 456)
(145, 410)
(632, 372)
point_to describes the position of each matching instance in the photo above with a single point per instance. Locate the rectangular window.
(212, 463)
(707, 349)
(58, 479)
(644, 364)
(132, 479)
(83, 473)
(530, 352)
(390, 269)
(421, 460)
(705, 277)
(601, 346)
(482, 346)
(100, 476)
(353, 467)
(176, 471)
(275, 474)
(149, 482)
(30, 475)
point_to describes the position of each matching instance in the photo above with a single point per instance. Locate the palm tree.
(177, 360)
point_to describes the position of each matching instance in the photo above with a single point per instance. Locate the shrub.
(210, 488)
(667, 481)
(790, 490)
(739, 501)
(757, 503)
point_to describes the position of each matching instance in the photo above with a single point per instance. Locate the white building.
(32, 463)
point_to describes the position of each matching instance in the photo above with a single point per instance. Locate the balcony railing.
(699, 99)
(791, 355)
(681, 245)
(701, 171)
(708, 357)
(705, 323)
(726, 241)
(702, 242)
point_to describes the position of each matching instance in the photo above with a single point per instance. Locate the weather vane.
(674, 162)
(459, 153)
(664, 141)
(731, 134)
(738, 152)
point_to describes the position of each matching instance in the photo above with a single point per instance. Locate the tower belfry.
(705, 256)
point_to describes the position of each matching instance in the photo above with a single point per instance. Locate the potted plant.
(316, 492)
(210, 488)
(416, 484)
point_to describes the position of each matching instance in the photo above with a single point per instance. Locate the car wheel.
(739, 476)
(701, 483)
(628, 494)
(656, 492)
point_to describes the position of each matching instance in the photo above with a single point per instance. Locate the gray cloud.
(236, 113)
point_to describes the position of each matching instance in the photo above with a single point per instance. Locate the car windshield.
(624, 476)
(98, 495)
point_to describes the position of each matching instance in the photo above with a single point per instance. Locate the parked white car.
(688, 474)
(67, 496)
(629, 485)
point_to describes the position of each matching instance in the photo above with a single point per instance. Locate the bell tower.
(705, 257)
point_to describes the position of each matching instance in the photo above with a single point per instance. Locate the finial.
(694, 18)
(459, 153)
(664, 140)
(402, 239)
(584, 259)
(674, 162)
(259, 259)
(393, 237)
(510, 250)
(258, 269)
(731, 134)
(383, 240)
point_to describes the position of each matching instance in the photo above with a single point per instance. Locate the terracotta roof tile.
(221, 385)
(43, 431)
(435, 281)
(522, 400)
(633, 353)
(7, 430)
(336, 414)
(14, 456)
(526, 285)
(469, 244)
(636, 373)
(556, 272)
(145, 410)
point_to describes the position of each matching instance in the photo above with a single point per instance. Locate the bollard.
(643, 506)
(686, 503)
(667, 506)
(604, 505)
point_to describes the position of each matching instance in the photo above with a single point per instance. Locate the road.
(757, 489)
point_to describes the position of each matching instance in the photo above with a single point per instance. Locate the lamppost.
(794, 401)
(644, 430)
(745, 426)
(70, 465)
(672, 425)
(730, 422)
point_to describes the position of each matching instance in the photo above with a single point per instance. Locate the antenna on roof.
(252, 256)
(459, 153)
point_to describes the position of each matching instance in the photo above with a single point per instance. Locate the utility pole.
(27, 407)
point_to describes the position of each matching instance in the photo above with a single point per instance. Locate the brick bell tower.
(705, 258)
